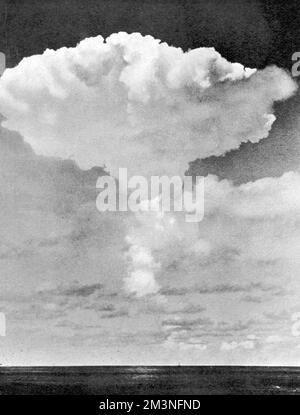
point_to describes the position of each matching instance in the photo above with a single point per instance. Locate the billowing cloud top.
(132, 101)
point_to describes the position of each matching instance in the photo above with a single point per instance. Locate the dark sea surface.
(147, 380)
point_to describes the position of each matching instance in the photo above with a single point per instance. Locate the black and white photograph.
(149, 199)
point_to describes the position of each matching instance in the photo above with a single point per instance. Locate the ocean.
(149, 380)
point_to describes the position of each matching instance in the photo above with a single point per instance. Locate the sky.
(83, 287)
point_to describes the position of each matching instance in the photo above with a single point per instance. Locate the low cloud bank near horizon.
(245, 221)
